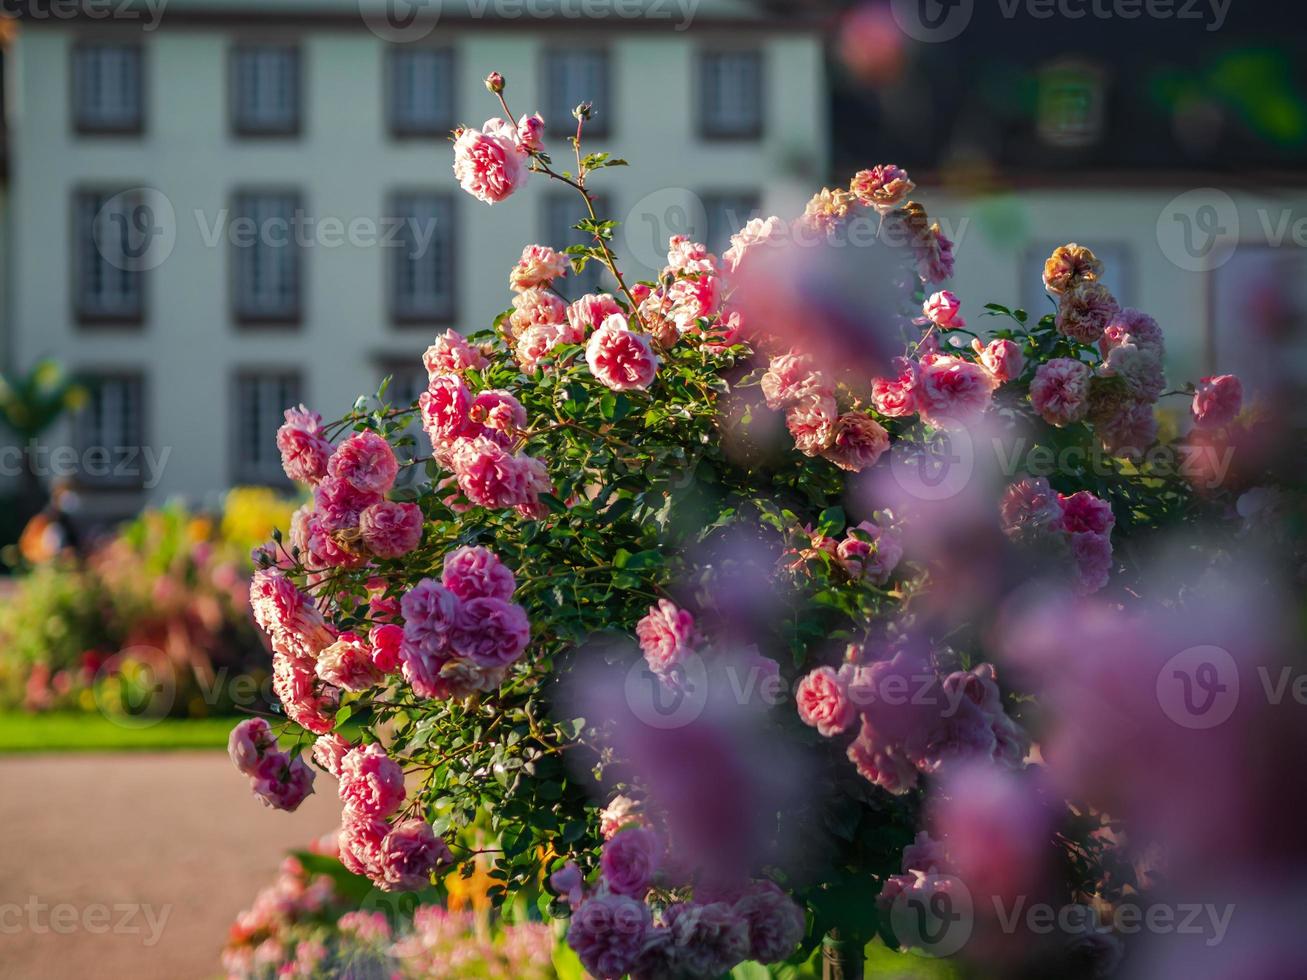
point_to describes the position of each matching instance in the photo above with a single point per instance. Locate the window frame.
(602, 203)
(240, 129)
(238, 474)
(390, 65)
(703, 128)
(241, 316)
(80, 126)
(84, 315)
(405, 318)
(93, 378)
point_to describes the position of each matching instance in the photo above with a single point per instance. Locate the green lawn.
(70, 731)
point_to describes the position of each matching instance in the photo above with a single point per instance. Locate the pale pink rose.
(1217, 401)
(951, 389)
(1093, 557)
(825, 214)
(883, 187)
(288, 616)
(499, 416)
(1130, 431)
(859, 442)
(934, 254)
(1139, 368)
(304, 449)
(281, 782)
(490, 632)
(371, 783)
(881, 762)
(385, 641)
(607, 933)
(725, 333)
(477, 573)
(588, 313)
(249, 742)
(872, 553)
(489, 163)
(329, 750)
(1130, 326)
(1060, 391)
(621, 812)
(539, 266)
(307, 701)
(409, 855)
(1085, 311)
(535, 344)
(360, 841)
(429, 611)
(941, 309)
(452, 354)
(710, 939)
(391, 529)
(539, 307)
(686, 257)
(1082, 511)
(775, 922)
(1030, 506)
(619, 358)
(630, 859)
(446, 408)
(491, 476)
(823, 702)
(791, 379)
(692, 300)
(666, 635)
(897, 397)
(338, 505)
(348, 663)
(531, 133)
(1001, 358)
(366, 462)
(812, 424)
(757, 233)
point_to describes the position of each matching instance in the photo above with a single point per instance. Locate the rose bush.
(711, 486)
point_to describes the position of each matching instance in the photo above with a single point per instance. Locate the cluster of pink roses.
(868, 552)
(259, 938)
(909, 719)
(298, 633)
(279, 780)
(852, 440)
(461, 634)
(1032, 511)
(615, 932)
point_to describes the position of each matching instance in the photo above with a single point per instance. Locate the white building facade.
(218, 209)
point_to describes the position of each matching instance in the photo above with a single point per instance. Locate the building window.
(262, 398)
(107, 90)
(265, 90)
(266, 257)
(1072, 105)
(422, 283)
(422, 97)
(731, 95)
(562, 212)
(110, 431)
(573, 77)
(727, 213)
(109, 241)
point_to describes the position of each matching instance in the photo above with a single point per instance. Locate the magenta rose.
(666, 636)
(607, 933)
(385, 641)
(1083, 511)
(477, 573)
(620, 358)
(490, 632)
(391, 529)
(429, 611)
(629, 860)
(776, 924)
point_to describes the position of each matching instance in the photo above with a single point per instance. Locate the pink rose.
(934, 254)
(366, 462)
(281, 782)
(1130, 326)
(308, 702)
(881, 762)
(391, 529)
(348, 663)
(360, 841)
(304, 449)
(477, 573)
(1093, 557)
(429, 611)
(619, 358)
(385, 642)
(1030, 505)
(409, 854)
(823, 702)
(710, 939)
(692, 300)
(452, 354)
(883, 187)
(499, 415)
(589, 313)
(629, 861)
(666, 636)
(1082, 511)
(329, 750)
(371, 783)
(859, 442)
(338, 504)
(1001, 358)
(607, 933)
(757, 233)
(1128, 431)
(249, 742)
(621, 812)
(872, 552)
(791, 379)
(1060, 391)
(1139, 368)
(897, 397)
(1085, 311)
(535, 344)
(951, 389)
(538, 307)
(491, 476)
(539, 266)
(941, 309)
(446, 408)
(775, 922)
(490, 632)
(1217, 401)
(812, 424)
(531, 133)
(489, 163)
(686, 257)
(287, 615)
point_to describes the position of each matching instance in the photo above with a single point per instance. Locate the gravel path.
(133, 866)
